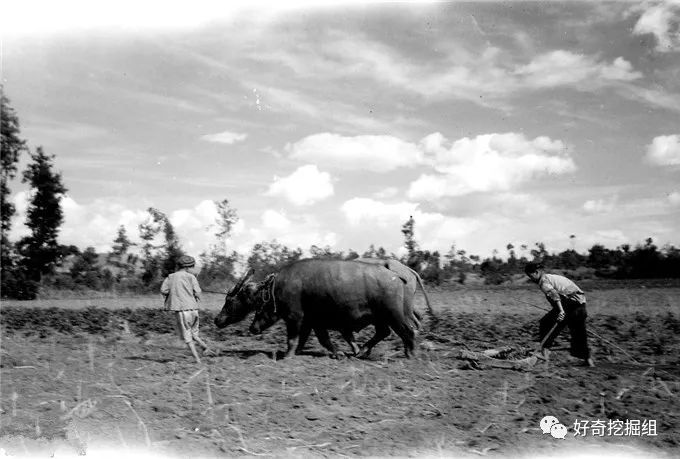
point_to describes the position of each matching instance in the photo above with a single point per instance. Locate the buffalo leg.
(381, 332)
(407, 335)
(325, 340)
(305, 330)
(293, 332)
(349, 337)
(409, 310)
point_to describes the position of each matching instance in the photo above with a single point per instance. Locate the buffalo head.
(264, 318)
(239, 302)
(266, 314)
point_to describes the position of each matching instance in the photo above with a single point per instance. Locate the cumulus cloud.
(296, 231)
(94, 224)
(599, 206)
(360, 211)
(434, 230)
(226, 137)
(303, 187)
(664, 150)
(378, 153)
(196, 227)
(489, 162)
(272, 219)
(661, 19)
(202, 215)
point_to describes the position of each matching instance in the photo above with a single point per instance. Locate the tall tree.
(225, 221)
(157, 263)
(120, 256)
(11, 146)
(148, 230)
(217, 264)
(408, 229)
(44, 215)
(85, 270)
(121, 245)
(172, 248)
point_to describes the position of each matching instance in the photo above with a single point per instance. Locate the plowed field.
(109, 376)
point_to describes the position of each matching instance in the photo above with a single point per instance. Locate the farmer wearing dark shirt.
(568, 308)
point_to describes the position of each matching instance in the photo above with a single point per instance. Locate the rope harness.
(266, 288)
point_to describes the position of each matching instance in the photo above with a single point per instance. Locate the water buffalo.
(411, 279)
(325, 294)
(239, 301)
(245, 297)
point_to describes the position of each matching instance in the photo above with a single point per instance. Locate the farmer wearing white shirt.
(182, 295)
(568, 308)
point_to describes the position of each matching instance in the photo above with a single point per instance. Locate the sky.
(332, 123)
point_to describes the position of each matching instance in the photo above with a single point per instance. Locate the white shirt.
(181, 291)
(555, 286)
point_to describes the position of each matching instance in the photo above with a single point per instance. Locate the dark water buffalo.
(324, 295)
(240, 301)
(412, 281)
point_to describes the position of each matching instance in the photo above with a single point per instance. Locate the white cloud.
(378, 153)
(564, 68)
(282, 100)
(520, 205)
(674, 198)
(433, 230)
(94, 224)
(599, 206)
(431, 187)
(196, 227)
(227, 137)
(366, 211)
(77, 15)
(489, 162)
(204, 214)
(300, 231)
(654, 97)
(611, 238)
(465, 75)
(661, 19)
(664, 150)
(272, 219)
(19, 230)
(385, 193)
(458, 73)
(305, 186)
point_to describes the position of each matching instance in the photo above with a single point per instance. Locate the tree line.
(38, 260)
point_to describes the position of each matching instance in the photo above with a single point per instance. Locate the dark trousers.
(575, 318)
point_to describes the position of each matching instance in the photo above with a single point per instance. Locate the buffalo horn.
(242, 281)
